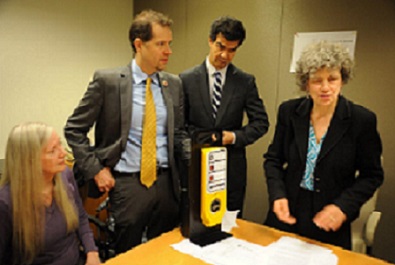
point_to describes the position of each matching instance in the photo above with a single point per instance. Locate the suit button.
(317, 179)
(318, 190)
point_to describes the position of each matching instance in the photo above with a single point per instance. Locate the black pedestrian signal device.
(204, 191)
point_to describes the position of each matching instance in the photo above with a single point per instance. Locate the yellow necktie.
(148, 149)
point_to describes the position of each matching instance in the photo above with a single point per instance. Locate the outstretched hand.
(330, 218)
(281, 209)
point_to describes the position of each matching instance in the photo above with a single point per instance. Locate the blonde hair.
(23, 173)
(323, 54)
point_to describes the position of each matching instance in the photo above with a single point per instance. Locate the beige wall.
(49, 51)
(266, 53)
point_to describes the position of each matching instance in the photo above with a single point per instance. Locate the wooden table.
(159, 251)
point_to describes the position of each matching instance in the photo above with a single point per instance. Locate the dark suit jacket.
(107, 105)
(239, 95)
(352, 144)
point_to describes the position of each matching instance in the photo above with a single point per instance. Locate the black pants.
(305, 226)
(136, 208)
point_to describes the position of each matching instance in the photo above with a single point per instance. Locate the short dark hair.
(142, 25)
(231, 28)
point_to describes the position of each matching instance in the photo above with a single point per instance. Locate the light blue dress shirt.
(131, 158)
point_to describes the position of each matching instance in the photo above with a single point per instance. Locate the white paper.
(292, 251)
(233, 251)
(230, 251)
(229, 220)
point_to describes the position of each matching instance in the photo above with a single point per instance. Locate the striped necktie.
(148, 148)
(216, 93)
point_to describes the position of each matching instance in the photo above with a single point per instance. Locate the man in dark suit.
(217, 94)
(116, 103)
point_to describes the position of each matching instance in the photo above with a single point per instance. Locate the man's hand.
(104, 180)
(227, 137)
(281, 209)
(330, 218)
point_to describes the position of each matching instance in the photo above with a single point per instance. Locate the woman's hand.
(92, 258)
(330, 218)
(281, 209)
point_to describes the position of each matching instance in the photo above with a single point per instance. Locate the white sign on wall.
(302, 39)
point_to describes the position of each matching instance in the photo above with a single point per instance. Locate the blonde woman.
(42, 217)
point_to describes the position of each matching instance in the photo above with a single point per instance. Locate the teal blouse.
(313, 150)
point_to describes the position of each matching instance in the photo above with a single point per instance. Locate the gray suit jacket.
(107, 105)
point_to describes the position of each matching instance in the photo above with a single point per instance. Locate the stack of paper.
(233, 251)
(289, 250)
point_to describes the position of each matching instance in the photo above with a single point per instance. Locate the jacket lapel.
(301, 122)
(339, 125)
(164, 84)
(202, 82)
(227, 93)
(125, 93)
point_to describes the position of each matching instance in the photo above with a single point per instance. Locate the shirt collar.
(139, 76)
(211, 69)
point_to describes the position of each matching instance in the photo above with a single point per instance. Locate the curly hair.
(142, 25)
(320, 55)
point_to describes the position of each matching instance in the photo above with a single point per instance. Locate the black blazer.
(240, 95)
(352, 146)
